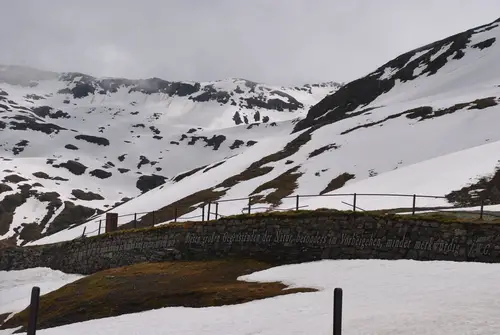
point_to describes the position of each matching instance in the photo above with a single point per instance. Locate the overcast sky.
(273, 41)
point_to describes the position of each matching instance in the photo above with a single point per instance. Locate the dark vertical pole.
(203, 213)
(482, 210)
(135, 220)
(100, 223)
(216, 210)
(33, 316)
(154, 218)
(208, 213)
(354, 203)
(297, 203)
(337, 311)
(175, 214)
(249, 204)
(414, 203)
(84, 228)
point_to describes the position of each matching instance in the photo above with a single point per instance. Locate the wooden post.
(297, 203)
(135, 220)
(249, 204)
(482, 210)
(354, 203)
(337, 311)
(175, 214)
(216, 210)
(111, 222)
(208, 213)
(33, 316)
(100, 224)
(414, 202)
(203, 213)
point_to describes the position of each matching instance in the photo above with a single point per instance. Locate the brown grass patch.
(283, 186)
(337, 182)
(250, 173)
(147, 286)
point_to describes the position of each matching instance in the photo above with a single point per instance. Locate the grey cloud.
(273, 41)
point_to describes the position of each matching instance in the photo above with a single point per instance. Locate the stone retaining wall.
(277, 238)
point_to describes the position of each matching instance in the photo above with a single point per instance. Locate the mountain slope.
(72, 145)
(424, 113)
(439, 68)
(413, 114)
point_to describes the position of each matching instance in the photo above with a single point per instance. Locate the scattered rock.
(93, 139)
(86, 196)
(19, 147)
(101, 174)
(236, 144)
(5, 188)
(142, 161)
(74, 167)
(14, 178)
(147, 183)
(250, 143)
(24, 122)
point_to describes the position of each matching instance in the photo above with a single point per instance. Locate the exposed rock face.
(87, 196)
(363, 91)
(147, 183)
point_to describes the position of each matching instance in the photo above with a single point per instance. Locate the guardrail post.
(203, 213)
(33, 316)
(354, 203)
(249, 204)
(482, 210)
(99, 232)
(216, 210)
(297, 203)
(84, 228)
(208, 213)
(135, 220)
(175, 214)
(414, 202)
(337, 311)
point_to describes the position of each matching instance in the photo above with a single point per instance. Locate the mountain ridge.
(69, 139)
(188, 145)
(366, 89)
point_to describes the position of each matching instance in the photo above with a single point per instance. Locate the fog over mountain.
(279, 42)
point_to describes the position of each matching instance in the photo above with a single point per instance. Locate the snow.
(385, 154)
(15, 286)
(127, 119)
(441, 51)
(380, 297)
(416, 179)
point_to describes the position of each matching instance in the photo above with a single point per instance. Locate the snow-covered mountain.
(424, 123)
(72, 145)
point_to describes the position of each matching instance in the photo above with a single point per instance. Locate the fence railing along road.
(211, 210)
